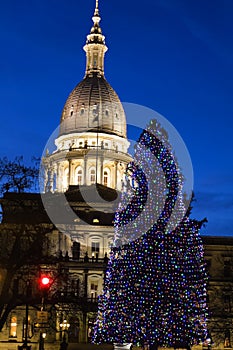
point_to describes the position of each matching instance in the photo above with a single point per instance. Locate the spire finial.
(97, 5)
(95, 46)
(96, 17)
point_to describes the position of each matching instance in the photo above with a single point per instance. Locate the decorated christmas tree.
(155, 286)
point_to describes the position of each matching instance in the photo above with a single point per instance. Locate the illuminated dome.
(92, 145)
(92, 105)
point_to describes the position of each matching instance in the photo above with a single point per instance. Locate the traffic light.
(45, 282)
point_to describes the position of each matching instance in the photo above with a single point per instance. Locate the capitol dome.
(92, 145)
(93, 105)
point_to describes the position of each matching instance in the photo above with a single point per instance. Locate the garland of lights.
(155, 285)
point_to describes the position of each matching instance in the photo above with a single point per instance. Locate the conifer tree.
(155, 286)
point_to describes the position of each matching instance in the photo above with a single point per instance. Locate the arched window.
(92, 176)
(106, 177)
(71, 110)
(79, 175)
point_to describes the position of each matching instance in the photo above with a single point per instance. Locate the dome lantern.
(95, 47)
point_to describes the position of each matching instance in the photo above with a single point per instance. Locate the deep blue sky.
(174, 56)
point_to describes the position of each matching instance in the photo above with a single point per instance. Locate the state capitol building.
(88, 164)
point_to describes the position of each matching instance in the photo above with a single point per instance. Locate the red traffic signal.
(45, 282)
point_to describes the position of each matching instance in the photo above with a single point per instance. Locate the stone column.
(101, 170)
(45, 179)
(115, 177)
(54, 177)
(85, 170)
(50, 179)
(58, 182)
(70, 169)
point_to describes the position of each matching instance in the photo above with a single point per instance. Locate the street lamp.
(41, 343)
(64, 326)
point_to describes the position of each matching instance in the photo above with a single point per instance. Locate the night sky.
(173, 56)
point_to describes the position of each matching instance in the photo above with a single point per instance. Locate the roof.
(93, 105)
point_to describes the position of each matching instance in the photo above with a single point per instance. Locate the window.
(29, 332)
(13, 327)
(95, 61)
(71, 110)
(106, 177)
(79, 175)
(91, 324)
(94, 291)
(95, 247)
(227, 303)
(227, 341)
(92, 176)
(73, 334)
(75, 287)
(227, 268)
(82, 110)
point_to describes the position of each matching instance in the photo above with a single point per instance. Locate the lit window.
(94, 290)
(29, 328)
(71, 110)
(95, 61)
(106, 177)
(79, 175)
(92, 176)
(13, 327)
(227, 341)
(95, 247)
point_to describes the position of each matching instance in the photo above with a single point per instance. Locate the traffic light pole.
(25, 345)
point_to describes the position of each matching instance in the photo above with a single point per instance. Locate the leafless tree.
(16, 176)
